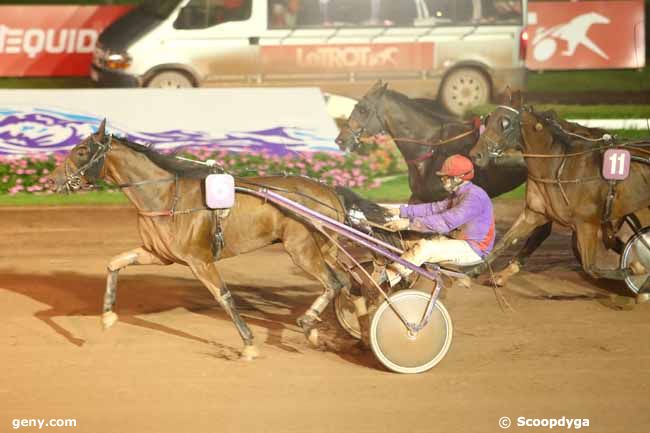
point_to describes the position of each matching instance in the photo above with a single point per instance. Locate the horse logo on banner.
(574, 33)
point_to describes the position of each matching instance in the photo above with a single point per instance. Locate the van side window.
(201, 14)
(487, 12)
(386, 13)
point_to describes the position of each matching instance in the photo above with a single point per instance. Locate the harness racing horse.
(425, 139)
(565, 184)
(175, 226)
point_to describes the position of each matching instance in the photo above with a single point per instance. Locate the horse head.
(500, 142)
(84, 165)
(365, 121)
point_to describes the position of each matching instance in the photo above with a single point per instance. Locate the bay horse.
(175, 226)
(565, 184)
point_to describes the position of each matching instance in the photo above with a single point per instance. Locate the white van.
(461, 51)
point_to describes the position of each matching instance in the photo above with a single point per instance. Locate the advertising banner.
(586, 35)
(273, 120)
(348, 57)
(51, 41)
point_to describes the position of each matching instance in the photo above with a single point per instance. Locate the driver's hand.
(393, 211)
(397, 225)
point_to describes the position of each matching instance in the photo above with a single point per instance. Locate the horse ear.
(101, 131)
(377, 86)
(507, 97)
(517, 100)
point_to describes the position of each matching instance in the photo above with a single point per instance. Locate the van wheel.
(463, 89)
(170, 80)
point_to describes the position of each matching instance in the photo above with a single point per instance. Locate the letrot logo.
(34, 41)
(346, 57)
(574, 33)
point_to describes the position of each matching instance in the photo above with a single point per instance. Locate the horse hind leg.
(138, 256)
(305, 253)
(209, 275)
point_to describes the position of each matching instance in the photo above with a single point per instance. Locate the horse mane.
(168, 161)
(420, 105)
(559, 128)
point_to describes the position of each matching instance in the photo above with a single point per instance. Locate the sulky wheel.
(392, 343)
(636, 256)
(347, 315)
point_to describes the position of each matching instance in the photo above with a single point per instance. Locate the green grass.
(585, 111)
(46, 83)
(89, 198)
(589, 81)
(395, 190)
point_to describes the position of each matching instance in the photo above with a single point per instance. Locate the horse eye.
(362, 110)
(505, 123)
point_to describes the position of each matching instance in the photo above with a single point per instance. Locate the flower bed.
(29, 174)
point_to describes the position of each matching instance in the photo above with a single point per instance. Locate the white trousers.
(432, 250)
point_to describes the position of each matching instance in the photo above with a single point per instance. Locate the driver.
(458, 229)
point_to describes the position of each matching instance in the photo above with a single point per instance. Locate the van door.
(218, 38)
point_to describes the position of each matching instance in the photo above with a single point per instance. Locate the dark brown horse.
(425, 139)
(564, 181)
(176, 227)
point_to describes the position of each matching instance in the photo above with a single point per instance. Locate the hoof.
(249, 353)
(312, 337)
(501, 278)
(307, 322)
(464, 282)
(637, 268)
(643, 298)
(108, 319)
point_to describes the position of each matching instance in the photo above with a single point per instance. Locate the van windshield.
(159, 8)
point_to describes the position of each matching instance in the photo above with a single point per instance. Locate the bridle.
(90, 170)
(373, 112)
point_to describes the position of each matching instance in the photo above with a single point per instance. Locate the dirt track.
(170, 364)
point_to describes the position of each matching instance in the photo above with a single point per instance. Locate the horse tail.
(372, 211)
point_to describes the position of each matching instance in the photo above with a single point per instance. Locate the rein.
(432, 152)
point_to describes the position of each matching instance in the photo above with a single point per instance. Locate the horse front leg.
(209, 275)
(138, 256)
(528, 222)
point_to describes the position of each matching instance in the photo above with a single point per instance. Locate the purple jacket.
(469, 209)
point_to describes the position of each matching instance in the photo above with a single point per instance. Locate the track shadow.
(73, 294)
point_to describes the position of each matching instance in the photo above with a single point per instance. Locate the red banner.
(348, 57)
(51, 40)
(586, 35)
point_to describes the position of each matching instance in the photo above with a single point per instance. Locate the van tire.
(171, 79)
(463, 89)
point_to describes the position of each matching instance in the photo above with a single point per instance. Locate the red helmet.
(457, 165)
